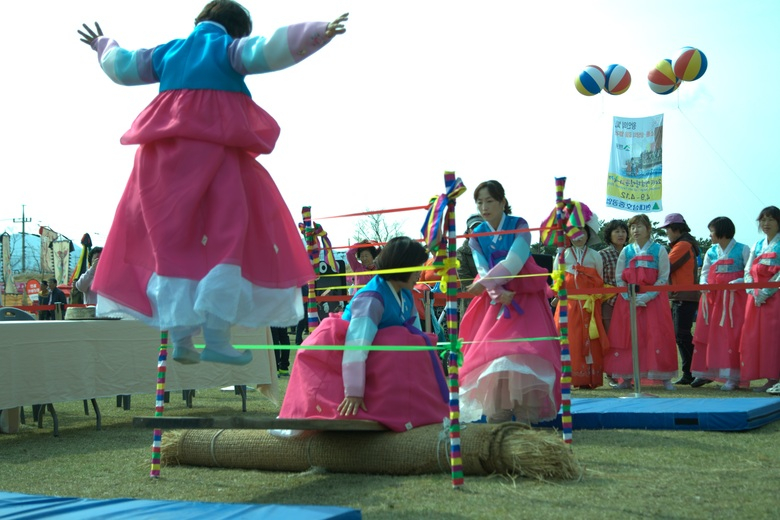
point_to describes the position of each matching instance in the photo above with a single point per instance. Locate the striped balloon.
(662, 79)
(618, 79)
(690, 64)
(590, 81)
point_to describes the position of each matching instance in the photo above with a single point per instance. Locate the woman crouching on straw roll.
(511, 364)
(401, 389)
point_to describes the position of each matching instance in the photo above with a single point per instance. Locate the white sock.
(218, 340)
(181, 337)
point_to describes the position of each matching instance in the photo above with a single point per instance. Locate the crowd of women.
(511, 353)
(735, 337)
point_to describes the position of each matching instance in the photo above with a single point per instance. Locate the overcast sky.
(411, 90)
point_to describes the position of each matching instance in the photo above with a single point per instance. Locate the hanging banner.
(62, 250)
(8, 273)
(634, 179)
(47, 257)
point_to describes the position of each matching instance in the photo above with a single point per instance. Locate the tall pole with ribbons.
(159, 403)
(311, 303)
(441, 214)
(456, 460)
(557, 221)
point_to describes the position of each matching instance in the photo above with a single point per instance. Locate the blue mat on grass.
(18, 506)
(649, 413)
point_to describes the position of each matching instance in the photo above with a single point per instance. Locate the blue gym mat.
(649, 413)
(18, 506)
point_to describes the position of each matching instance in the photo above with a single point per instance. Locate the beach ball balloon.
(590, 81)
(662, 79)
(618, 79)
(690, 64)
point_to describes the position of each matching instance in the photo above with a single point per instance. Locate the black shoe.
(700, 381)
(685, 380)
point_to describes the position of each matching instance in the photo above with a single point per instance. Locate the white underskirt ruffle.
(530, 383)
(222, 294)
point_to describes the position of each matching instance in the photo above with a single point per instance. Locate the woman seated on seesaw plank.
(401, 389)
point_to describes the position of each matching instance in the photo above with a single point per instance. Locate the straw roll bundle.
(509, 448)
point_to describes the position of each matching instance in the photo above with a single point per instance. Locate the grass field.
(627, 473)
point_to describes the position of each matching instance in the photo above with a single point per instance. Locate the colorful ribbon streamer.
(433, 231)
(574, 216)
(319, 241)
(437, 209)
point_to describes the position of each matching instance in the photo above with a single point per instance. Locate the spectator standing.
(43, 299)
(683, 270)
(56, 296)
(760, 341)
(643, 262)
(721, 314)
(587, 337)
(616, 235)
(280, 337)
(361, 259)
(467, 269)
(84, 283)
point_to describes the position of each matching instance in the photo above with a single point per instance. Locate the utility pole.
(23, 221)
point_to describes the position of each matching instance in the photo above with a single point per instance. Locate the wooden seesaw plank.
(256, 423)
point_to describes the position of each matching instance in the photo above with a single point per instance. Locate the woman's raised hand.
(337, 26)
(90, 35)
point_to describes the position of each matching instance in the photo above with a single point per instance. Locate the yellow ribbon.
(558, 276)
(443, 270)
(590, 306)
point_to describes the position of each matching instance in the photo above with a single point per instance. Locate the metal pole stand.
(632, 290)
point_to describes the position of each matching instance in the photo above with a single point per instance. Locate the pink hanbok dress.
(760, 340)
(721, 315)
(201, 234)
(498, 373)
(402, 389)
(657, 347)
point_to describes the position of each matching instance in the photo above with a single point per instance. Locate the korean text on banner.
(635, 166)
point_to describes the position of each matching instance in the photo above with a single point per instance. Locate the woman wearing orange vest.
(683, 269)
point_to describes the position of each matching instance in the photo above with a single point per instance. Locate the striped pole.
(313, 318)
(456, 460)
(566, 424)
(159, 404)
